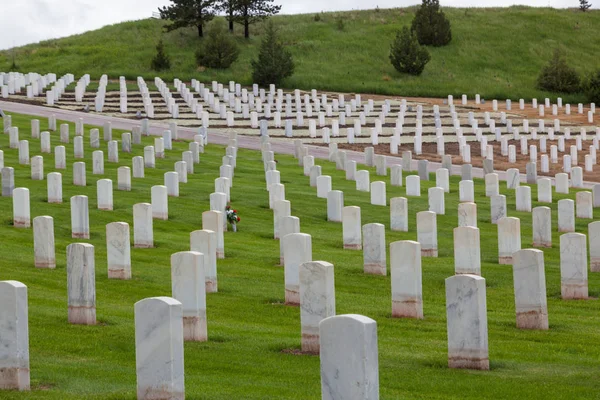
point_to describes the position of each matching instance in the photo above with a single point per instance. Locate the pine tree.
(250, 11)
(219, 49)
(274, 62)
(161, 60)
(431, 25)
(184, 13)
(558, 76)
(584, 5)
(407, 55)
(228, 7)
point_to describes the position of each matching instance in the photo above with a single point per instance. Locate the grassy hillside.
(496, 52)
(250, 331)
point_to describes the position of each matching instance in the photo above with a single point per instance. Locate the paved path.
(281, 146)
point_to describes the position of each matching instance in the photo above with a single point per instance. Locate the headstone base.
(22, 223)
(80, 235)
(407, 309)
(14, 379)
(143, 245)
(82, 315)
(310, 343)
(118, 273)
(574, 291)
(194, 329)
(375, 269)
(292, 296)
(594, 264)
(220, 254)
(532, 320)
(51, 264)
(353, 247)
(210, 286)
(429, 253)
(542, 244)
(505, 260)
(461, 361)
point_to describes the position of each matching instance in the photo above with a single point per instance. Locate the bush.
(340, 24)
(407, 55)
(431, 25)
(557, 76)
(161, 60)
(317, 17)
(274, 62)
(219, 49)
(592, 88)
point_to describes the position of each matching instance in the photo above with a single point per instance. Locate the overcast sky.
(29, 21)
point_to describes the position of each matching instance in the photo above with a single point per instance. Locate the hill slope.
(496, 52)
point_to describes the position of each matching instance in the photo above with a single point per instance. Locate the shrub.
(407, 55)
(274, 62)
(161, 60)
(592, 88)
(219, 49)
(431, 25)
(557, 76)
(317, 17)
(340, 24)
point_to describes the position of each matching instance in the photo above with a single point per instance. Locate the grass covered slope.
(497, 52)
(250, 331)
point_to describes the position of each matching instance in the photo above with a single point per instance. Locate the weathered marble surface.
(513, 178)
(14, 337)
(562, 183)
(143, 230)
(523, 195)
(21, 208)
(396, 178)
(542, 227)
(378, 194)
(8, 181)
(37, 168)
(188, 287)
(323, 186)
(43, 242)
(427, 233)
(98, 162)
(436, 200)
(118, 250)
(281, 208)
(45, 142)
(287, 225)
(594, 239)
(405, 269)
(24, 152)
(104, 189)
(573, 266)
(350, 170)
(399, 214)
(374, 249)
(149, 157)
(566, 215)
(344, 340)
(218, 202)
(81, 283)
(530, 289)
(138, 166)
(78, 147)
(544, 190)
(213, 221)
(363, 181)
(205, 242)
(584, 205)
(113, 151)
(79, 174)
(497, 208)
(509, 239)
(467, 250)
(171, 180)
(352, 228)
(466, 314)
(297, 249)
(315, 172)
(60, 157)
(467, 214)
(317, 301)
(159, 349)
(54, 186)
(442, 179)
(181, 169)
(492, 186)
(413, 186)
(466, 192)
(124, 178)
(335, 204)
(276, 193)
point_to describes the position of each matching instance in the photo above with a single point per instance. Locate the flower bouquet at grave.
(232, 217)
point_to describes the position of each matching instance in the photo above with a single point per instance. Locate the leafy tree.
(592, 87)
(558, 76)
(250, 11)
(186, 13)
(274, 62)
(407, 55)
(161, 60)
(584, 5)
(228, 7)
(219, 49)
(431, 25)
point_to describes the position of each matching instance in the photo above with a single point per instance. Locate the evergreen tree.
(219, 49)
(161, 60)
(584, 5)
(250, 11)
(274, 62)
(184, 13)
(592, 88)
(407, 55)
(558, 76)
(228, 7)
(431, 25)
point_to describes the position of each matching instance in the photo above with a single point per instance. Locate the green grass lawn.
(248, 326)
(497, 52)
